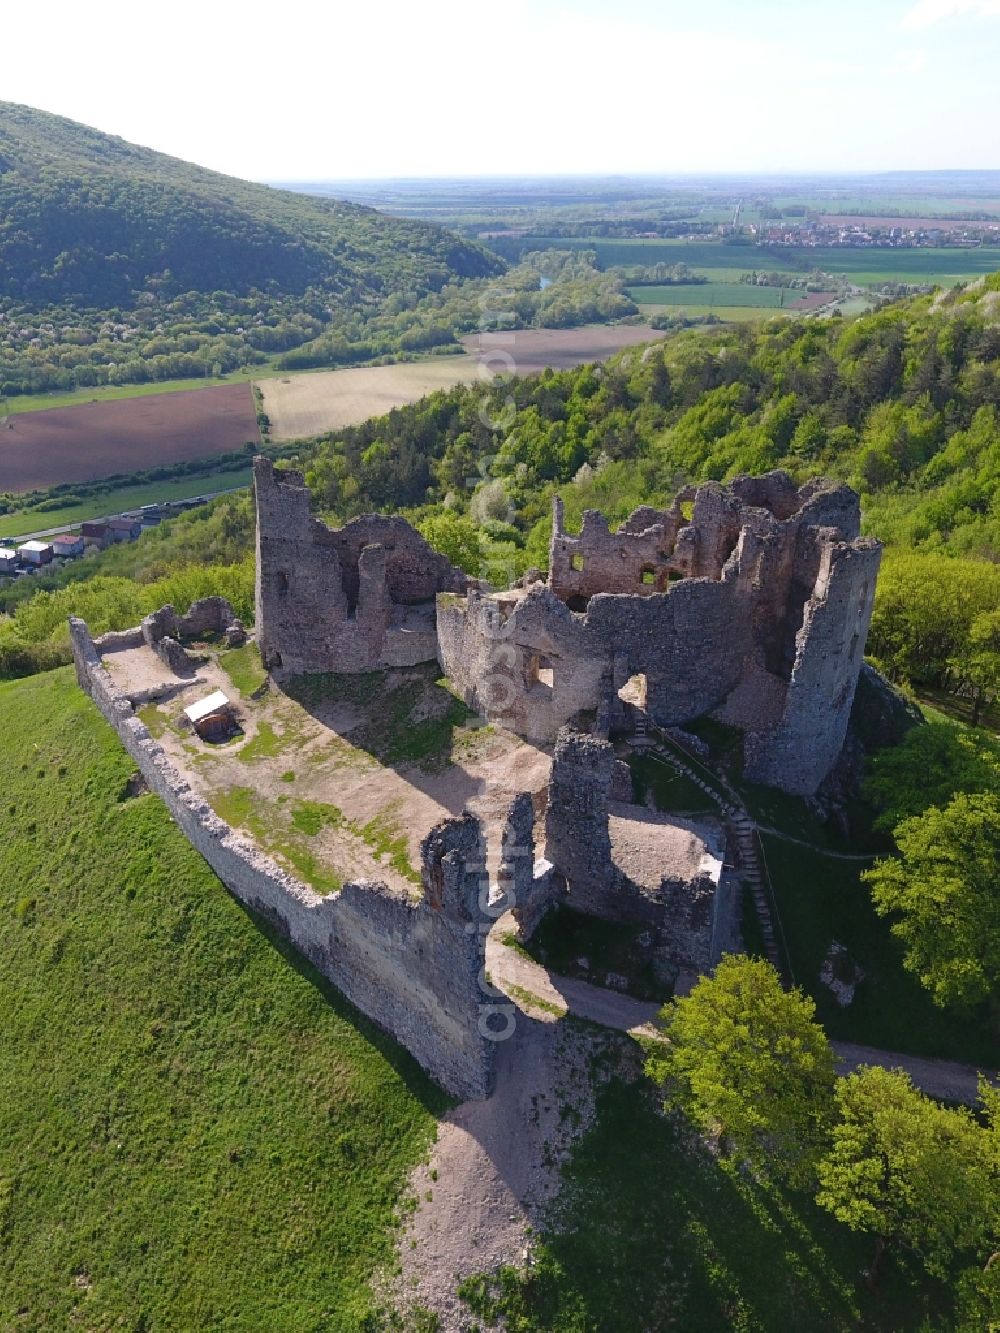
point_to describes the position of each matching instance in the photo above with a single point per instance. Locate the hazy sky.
(288, 90)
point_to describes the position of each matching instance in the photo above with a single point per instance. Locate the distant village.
(22, 559)
(876, 232)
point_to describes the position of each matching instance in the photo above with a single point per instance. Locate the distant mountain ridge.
(91, 220)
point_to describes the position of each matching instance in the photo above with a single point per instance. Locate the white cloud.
(925, 13)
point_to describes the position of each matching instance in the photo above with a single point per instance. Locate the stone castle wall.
(756, 611)
(413, 966)
(693, 915)
(800, 751)
(633, 560)
(353, 599)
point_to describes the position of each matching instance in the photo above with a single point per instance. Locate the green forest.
(114, 256)
(902, 403)
(123, 266)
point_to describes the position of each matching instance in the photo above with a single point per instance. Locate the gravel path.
(946, 1079)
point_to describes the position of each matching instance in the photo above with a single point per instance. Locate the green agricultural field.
(898, 205)
(195, 1131)
(865, 267)
(712, 294)
(124, 497)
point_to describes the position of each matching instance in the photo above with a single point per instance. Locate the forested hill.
(904, 404)
(87, 219)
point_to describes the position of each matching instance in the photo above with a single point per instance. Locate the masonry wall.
(797, 754)
(347, 599)
(577, 838)
(671, 639)
(413, 966)
(634, 559)
(694, 918)
(756, 611)
(690, 643)
(493, 658)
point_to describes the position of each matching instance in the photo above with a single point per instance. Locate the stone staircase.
(752, 868)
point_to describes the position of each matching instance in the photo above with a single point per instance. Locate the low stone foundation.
(623, 863)
(414, 966)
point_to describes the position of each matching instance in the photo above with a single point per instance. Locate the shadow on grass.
(652, 1234)
(587, 948)
(405, 717)
(822, 900)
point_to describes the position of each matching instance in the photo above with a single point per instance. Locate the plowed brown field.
(96, 440)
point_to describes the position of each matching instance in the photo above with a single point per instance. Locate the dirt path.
(820, 851)
(945, 1079)
(514, 973)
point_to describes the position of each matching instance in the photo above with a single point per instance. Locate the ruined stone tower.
(749, 603)
(350, 599)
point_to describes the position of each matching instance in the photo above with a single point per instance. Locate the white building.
(35, 553)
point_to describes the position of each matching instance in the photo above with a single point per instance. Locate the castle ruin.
(748, 603)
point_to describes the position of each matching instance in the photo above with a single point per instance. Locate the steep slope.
(88, 219)
(194, 1131)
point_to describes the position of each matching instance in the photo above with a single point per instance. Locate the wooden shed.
(213, 718)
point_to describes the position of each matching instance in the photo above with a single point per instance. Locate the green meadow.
(196, 1132)
(715, 294)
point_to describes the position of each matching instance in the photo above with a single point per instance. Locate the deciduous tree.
(942, 889)
(748, 1062)
(909, 1172)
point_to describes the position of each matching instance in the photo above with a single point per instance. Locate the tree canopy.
(942, 895)
(748, 1062)
(928, 767)
(907, 1171)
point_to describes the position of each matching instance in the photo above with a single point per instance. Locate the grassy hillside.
(195, 1132)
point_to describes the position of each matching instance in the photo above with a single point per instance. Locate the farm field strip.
(322, 400)
(863, 266)
(716, 294)
(318, 401)
(113, 393)
(116, 499)
(139, 430)
(728, 314)
(40, 449)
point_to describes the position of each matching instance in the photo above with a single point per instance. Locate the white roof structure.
(212, 703)
(6, 554)
(34, 546)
